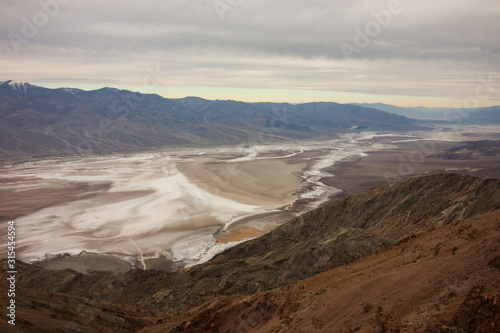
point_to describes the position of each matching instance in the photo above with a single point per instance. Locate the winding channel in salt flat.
(173, 203)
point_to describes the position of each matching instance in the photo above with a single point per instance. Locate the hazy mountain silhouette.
(489, 115)
(36, 121)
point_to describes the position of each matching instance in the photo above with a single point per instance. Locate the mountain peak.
(23, 88)
(108, 89)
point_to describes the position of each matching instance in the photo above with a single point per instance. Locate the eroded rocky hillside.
(399, 242)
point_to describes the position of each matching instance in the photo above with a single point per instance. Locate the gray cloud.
(428, 48)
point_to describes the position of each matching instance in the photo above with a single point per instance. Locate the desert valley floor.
(176, 208)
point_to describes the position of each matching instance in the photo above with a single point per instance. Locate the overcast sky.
(408, 53)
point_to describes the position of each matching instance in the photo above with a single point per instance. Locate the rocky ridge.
(329, 239)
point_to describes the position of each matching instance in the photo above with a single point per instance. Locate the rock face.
(438, 281)
(253, 279)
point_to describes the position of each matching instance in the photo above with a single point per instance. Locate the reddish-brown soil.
(420, 255)
(446, 280)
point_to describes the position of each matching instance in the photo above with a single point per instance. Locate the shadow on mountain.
(406, 255)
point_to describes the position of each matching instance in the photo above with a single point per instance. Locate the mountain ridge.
(443, 280)
(333, 235)
(474, 116)
(36, 121)
(415, 112)
(258, 281)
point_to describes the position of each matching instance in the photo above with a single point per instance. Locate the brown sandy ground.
(17, 203)
(409, 159)
(270, 183)
(253, 226)
(352, 177)
(445, 280)
(242, 233)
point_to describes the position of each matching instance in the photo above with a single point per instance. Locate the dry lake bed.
(176, 208)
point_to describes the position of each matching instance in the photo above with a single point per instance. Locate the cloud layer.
(423, 50)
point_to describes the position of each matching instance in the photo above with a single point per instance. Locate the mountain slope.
(36, 121)
(411, 112)
(418, 252)
(47, 312)
(485, 116)
(331, 236)
(481, 116)
(445, 280)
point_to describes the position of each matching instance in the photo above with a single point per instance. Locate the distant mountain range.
(37, 121)
(490, 115)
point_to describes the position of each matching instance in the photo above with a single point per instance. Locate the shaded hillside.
(411, 112)
(445, 280)
(418, 254)
(331, 236)
(47, 312)
(485, 116)
(478, 116)
(36, 121)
